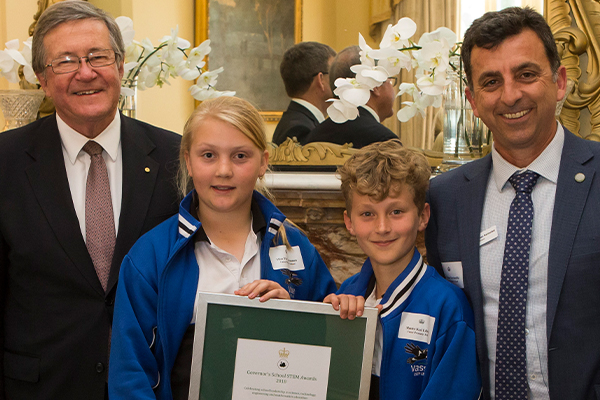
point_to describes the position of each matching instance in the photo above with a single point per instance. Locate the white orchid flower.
(392, 60)
(197, 54)
(443, 35)
(26, 51)
(433, 84)
(29, 74)
(125, 91)
(371, 77)
(12, 48)
(148, 77)
(187, 72)
(352, 91)
(397, 36)
(419, 105)
(126, 28)
(407, 88)
(339, 111)
(434, 56)
(8, 67)
(129, 66)
(366, 57)
(209, 78)
(174, 40)
(205, 93)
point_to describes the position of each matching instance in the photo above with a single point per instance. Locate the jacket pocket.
(20, 367)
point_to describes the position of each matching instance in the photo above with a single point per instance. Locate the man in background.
(518, 229)
(79, 187)
(304, 71)
(367, 127)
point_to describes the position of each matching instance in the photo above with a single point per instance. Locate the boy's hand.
(263, 288)
(349, 306)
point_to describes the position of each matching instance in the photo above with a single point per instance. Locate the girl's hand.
(349, 306)
(263, 288)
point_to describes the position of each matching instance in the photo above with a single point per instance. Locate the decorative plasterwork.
(576, 28)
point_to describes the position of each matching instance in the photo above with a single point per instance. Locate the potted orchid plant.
(436, 61)
(147, 65)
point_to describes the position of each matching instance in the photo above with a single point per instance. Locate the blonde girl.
(227, 238)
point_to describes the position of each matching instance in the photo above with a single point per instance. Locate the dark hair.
(493, 28)
(301, 63)
(340, 67)
(67, 11)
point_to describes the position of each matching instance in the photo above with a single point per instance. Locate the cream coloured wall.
(335, 22)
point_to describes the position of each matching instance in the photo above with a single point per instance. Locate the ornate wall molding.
(576, 28)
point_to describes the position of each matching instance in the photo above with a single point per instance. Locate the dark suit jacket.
(54, 333)
(297, 121)
(360, 132)
(573, 305)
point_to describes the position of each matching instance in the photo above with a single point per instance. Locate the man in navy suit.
(514, 83)
(56, 309)
(366, 128)
(304, 70)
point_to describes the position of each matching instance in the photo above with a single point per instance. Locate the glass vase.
(128, 102)
(465, 135)
(20, 106)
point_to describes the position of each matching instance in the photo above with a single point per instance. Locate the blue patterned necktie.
(511, 361)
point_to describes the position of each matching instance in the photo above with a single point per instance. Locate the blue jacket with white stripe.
(428, 350)
(157, 290)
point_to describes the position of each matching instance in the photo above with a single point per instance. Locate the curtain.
(428, 15)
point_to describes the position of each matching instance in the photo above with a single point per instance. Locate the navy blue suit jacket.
(56, 318)
(573, 305)
(297, 121)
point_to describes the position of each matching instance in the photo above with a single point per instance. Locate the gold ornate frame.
(576, 28)
(201, 30)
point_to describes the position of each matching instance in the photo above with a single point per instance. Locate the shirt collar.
(369, 109)
(258, 220)
(547, 164)
(311, 107)
(73, 141)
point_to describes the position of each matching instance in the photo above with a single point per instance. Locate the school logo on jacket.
(417, 360)
(292, 280)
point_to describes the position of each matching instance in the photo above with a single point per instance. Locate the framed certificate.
(284, 349)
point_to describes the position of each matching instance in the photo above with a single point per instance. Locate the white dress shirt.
(373, 301)
(77, 164)
(311, 107)
(373, 113)
(499, 196)
(222, 272)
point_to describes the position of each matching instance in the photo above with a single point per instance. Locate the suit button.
(109, 301)
(99, 368)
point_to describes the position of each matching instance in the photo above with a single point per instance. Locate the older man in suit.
(518, 229)
(304, 71)
(367, 127)
(78, 188)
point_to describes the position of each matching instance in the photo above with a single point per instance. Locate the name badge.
(453, 271)
(416, 327)
(282, 258)
(488, 235)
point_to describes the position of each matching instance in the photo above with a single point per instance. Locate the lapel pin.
(148, 170)
(579, 177)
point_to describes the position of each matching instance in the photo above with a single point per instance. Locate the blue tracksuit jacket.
(157, 290)
(428, 350)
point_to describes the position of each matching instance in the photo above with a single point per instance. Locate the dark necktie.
(99, 217)
(511, 360)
